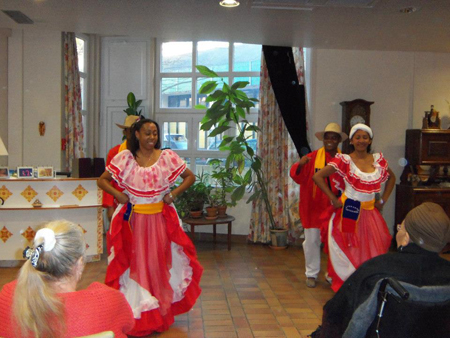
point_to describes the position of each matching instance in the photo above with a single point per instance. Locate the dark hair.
(134, 142)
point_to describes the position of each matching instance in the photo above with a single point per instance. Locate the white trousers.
(311, 249)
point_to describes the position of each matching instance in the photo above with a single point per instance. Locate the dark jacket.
(411, 264)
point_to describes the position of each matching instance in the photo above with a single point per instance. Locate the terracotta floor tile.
(250, 291)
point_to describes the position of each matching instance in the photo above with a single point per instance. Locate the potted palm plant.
(230, 106)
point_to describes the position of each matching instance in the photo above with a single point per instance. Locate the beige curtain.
(74, 135)
(278, 152)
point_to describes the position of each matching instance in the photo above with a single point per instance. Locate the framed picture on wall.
(25, 172)
(4, 172)
(45, 172)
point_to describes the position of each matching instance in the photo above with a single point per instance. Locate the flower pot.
(211, 212)
(222, 211)
(196, 213)
(278, 238)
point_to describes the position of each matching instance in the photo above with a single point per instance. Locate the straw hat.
(331, 128)
(129, 120)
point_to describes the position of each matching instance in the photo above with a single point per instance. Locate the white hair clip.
(49, 238)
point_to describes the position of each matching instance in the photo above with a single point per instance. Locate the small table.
(203, 221)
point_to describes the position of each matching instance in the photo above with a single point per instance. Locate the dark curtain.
(289, 93)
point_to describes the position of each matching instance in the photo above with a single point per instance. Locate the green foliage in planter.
(194, 197)
(231, 104)
(133, 105)
(224, 182)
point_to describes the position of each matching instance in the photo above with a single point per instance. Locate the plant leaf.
(208, 87)
(131, 99)
(239, 84)
(218, 130)
(200, 106)
(206, 71)
(238, 193)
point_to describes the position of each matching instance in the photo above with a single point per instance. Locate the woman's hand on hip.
(336, 202)
(168, 198)
(122, 198)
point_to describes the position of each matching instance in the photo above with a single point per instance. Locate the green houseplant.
(223, 179)
(133, 105)
(229, 105)
(193, 199)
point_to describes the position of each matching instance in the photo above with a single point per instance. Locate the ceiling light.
(229, 3)
(408, 10)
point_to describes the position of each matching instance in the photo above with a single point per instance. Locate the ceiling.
(340, 24)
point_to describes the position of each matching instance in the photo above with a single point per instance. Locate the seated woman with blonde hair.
(43, 301)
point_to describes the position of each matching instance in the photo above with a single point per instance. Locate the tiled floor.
(250, 291)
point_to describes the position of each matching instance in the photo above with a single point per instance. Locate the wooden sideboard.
(429, 147)
(407, 197)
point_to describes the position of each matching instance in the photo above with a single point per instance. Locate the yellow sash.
(148, 209)
(319, 163)
(368, 205)
(123, 146)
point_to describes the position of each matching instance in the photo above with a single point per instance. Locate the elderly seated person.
(43, 301)
(420, 238)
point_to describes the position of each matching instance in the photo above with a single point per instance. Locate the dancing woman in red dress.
(151, 260)
(357, 230)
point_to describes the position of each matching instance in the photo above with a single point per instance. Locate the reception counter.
(75, 199)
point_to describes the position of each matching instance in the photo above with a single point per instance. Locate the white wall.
(4, 33)
(35, 90)
(402, 84)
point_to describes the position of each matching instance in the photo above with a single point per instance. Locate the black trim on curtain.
(289, 93)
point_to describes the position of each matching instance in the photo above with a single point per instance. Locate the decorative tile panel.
(79, 192)
(29, 234)
(5, 193)
(29, 193)
(55, 193)
(5, 234)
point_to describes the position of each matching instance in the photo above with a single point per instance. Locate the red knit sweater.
(96, 309)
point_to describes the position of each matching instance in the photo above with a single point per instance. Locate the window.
(82, 51)
(177, 93)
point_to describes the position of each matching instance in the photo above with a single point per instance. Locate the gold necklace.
(148, 159)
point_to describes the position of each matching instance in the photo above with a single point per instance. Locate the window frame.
(85, 94)
(190, 115)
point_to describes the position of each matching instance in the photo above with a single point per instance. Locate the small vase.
(211, 212)
(196, 213)
(222, 211)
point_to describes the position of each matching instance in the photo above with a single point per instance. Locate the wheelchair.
(405, 310)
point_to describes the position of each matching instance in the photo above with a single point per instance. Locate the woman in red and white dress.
(357, 230)
(150, 258)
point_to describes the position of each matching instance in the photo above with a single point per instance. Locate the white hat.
(129, 120)
(331, 128)
(361, 126)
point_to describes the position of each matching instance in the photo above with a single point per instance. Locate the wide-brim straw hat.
(129, 120)
(331, 128)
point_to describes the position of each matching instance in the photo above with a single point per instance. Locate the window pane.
(83, 93)
(176, 57)
(174, 135)
(252, 89)
(247, 58)
(202, 165)
(176, 92)
(201, 98)
(213, 54)
(80, 51)
(208, 143)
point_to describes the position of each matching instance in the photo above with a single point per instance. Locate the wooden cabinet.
(427, 147)
(407, 197)
(424, 147)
